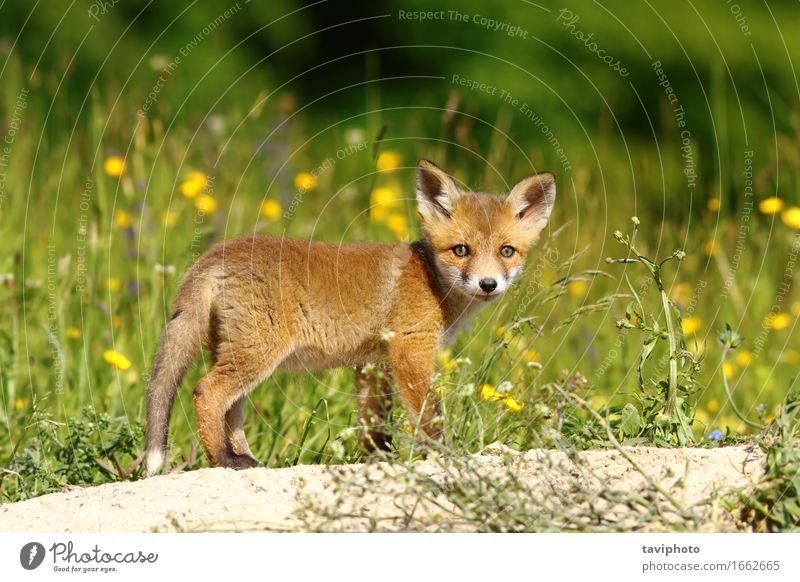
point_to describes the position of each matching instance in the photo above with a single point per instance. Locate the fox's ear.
(532, 200)
(436, 191)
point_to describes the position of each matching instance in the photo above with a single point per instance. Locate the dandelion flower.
(205, 203)
(383, 201)
(398, 224)
(791, 217)
(744, 358)
(488, 392)
(388, 161)
(271, 210)
(778, 321)
(169, 218)
(771, 205)
(691, 325)
(792, 357)
(531, 356)
(716, 435)
(123, 219)
(729, 370)
(713, 204)
(577, 288)
(512, 405)
(73, 333)
(305, 181)
(114, 166)
(20, 403)
(194, 184)
(116, 359)
(713, 405)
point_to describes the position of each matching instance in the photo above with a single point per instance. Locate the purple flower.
(716, 435)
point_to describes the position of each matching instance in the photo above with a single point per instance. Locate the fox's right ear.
(436, 191)
(532, 200)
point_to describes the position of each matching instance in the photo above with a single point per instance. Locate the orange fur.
(262, 304)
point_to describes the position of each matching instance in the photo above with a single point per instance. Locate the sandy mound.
(269, 499)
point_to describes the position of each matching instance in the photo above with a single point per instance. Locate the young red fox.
(261, 304)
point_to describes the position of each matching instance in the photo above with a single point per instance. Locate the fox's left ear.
(532, 200)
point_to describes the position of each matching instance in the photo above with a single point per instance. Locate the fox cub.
(261, 304)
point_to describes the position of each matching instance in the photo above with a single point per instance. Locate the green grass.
(89, 264)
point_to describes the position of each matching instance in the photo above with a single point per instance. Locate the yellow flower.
(305, 181)
(744, 358)
(710, 248)
(792, 357)
(114, 166)
(205, 203)
(116, 320)
(532, 356)
(116, 359)
(123, 219)
(778, 321)
(271, 210)
(713, 204)
(488, 392)
(113, 284)
(73, 333)
(729, 370)
(577, 288)
(169, 218)
(20, 403)
(691, 325)
(771, 205)
(512, 405)
(389, 160)
(398, 224)
(791, 217)
(194, 184)
(383, 202)
(713, 405)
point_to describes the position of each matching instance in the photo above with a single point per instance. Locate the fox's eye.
(460, 250)
(507, 251)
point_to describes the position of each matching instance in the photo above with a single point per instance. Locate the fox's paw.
(239, 462)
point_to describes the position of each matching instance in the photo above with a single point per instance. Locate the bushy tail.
(178, 348)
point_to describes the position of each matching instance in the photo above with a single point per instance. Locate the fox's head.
(479, 241)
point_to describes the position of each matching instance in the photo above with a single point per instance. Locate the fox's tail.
(178, 348)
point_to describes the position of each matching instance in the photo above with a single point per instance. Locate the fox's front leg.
(412, 358)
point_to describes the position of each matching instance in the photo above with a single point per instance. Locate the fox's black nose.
(488, 285)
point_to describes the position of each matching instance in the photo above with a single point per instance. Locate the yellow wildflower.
(744, 358)
(792, 357)
(116, 359)
(778, 321)
(389, 160)
(383, 201)
(271, 209)
(194, 184)
(729, 370)
(206, 203)
(169, 218)
(113, 284)
(713, 405)
(72, 333)
(771, 205)
(398, 224)
(116, 320)
(512, 405)
(532, 356)
(577, 288)
(791, 217)
(305, 181)
(713, 204)
(691, 325)
(20, 403)
(488, 392)
(114, 166)
(710, 248)
(123, 219)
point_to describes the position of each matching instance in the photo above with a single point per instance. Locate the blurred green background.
(139, 133)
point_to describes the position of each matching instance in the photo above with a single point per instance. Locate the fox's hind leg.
(219, 400)
(374, 394)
